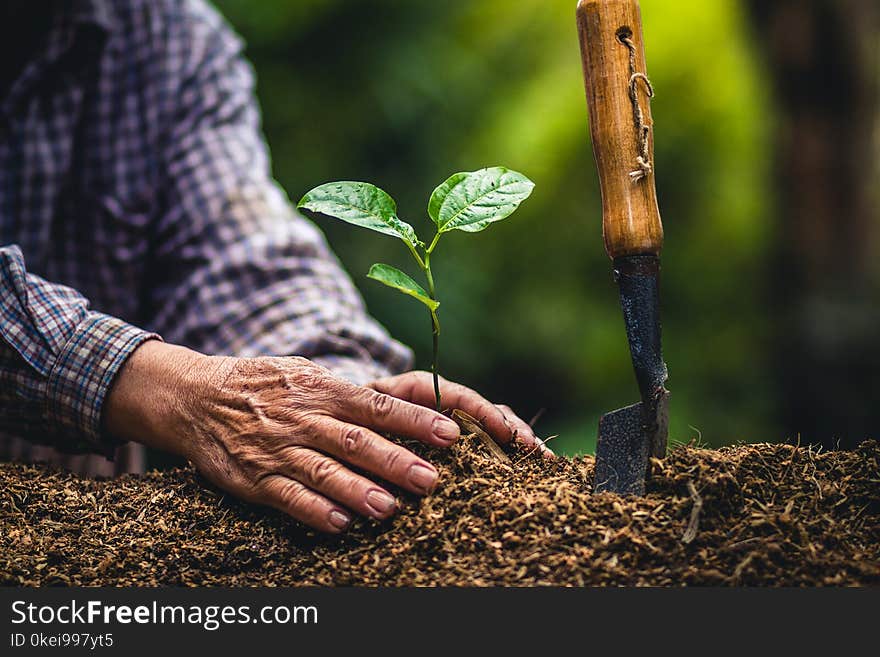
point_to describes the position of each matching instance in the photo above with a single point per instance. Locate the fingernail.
(423, 477)
(446, 430)
(381, 502)
(339, 519)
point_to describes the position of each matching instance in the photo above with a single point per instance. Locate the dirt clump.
(746, 515)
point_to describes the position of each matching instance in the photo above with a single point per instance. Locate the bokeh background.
(766, 168)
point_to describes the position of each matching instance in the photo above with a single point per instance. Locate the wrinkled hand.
(285, 432)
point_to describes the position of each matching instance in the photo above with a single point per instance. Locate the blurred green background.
(402, 94)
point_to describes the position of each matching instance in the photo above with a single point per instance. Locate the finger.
(368, 450)
(418, 388)
(329, 477)
(546, 452)
(384, 412)
(523, 431)
(307, 506)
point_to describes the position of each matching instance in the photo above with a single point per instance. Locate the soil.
(746, 515)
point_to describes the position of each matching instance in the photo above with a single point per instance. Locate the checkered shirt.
(136, 201)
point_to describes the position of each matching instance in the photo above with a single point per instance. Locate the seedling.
(467, 201)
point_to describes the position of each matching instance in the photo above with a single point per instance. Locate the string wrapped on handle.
(643, 129)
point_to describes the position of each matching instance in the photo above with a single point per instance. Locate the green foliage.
(468, 201)
(360, 204)
(471, 201)
(394, 278)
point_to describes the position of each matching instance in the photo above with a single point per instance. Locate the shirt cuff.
(82, 375)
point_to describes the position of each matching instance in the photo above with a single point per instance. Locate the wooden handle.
(630, 216)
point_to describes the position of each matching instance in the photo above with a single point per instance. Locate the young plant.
(467, 201)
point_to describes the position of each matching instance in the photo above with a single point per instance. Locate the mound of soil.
(751, 515)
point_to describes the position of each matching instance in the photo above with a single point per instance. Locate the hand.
(498, 420)
(276, 431)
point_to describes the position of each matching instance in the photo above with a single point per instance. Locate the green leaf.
(395, 278)
(470, 201)
(361, 204)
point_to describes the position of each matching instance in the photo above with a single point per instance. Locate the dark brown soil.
(752, 515)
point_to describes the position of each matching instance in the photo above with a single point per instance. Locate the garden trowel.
(618, 97)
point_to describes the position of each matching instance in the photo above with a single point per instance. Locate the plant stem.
(435, 322)
(430, 249)
(415, 254)
(435, 332)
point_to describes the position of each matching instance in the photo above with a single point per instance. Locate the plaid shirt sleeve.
(57, 359)
(238, 271)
